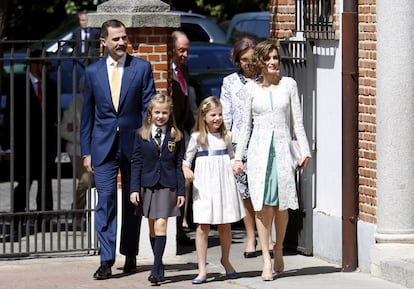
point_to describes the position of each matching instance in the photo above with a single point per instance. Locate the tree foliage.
(224, 10)
(34, 19)
(28, 20)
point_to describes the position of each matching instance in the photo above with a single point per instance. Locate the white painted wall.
(329, 126)
(366, 240)
(327, 233)
(327, 214)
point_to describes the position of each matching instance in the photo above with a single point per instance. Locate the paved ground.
(47, 272)
(76, 272)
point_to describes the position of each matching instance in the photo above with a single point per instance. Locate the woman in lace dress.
(232, 99)
(271, 102)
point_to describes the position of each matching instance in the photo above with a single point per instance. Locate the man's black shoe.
(154, 279)
(103, 272)
(130, 265)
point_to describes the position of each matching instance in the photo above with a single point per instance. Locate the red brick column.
(367, 163)
(282, 18)
(152, 44)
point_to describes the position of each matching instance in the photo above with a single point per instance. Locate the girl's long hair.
(145, 130)
(200, 126)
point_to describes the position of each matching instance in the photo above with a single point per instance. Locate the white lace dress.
(266, 117)
(215, 198)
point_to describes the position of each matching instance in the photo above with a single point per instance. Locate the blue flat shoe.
(231, 275)
(199, 281)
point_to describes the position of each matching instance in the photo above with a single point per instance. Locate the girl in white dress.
(215, 197)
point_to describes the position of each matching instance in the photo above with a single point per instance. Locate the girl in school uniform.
(215, 197)
(157, 180)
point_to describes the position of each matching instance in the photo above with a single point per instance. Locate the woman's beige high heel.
(267, 274)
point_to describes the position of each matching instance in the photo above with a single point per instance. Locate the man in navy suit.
(85, 40)
(109, 121)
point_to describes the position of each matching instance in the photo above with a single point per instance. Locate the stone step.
(398, 271)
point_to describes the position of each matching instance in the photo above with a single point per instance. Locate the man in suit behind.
(30, 133)
(185, 112)
(85, 40)
(185, 107)
(117, 91)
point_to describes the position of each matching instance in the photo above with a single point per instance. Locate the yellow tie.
(115, 85)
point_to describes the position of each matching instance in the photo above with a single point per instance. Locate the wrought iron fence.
(35, 222)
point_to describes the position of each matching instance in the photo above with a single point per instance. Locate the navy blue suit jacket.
(150, 167)
(100, 123)
(181, 103)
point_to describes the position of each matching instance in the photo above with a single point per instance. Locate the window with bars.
(316, 18)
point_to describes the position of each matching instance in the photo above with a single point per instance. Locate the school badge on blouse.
(171, 146)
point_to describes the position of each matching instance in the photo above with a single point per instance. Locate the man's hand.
(88, 164)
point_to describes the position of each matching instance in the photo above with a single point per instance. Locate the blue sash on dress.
(212, 153)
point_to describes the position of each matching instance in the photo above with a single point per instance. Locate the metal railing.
(293, 54)
(40, 227)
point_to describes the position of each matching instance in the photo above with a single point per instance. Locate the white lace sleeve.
(246, 125)
(225, 99)
(297, 119)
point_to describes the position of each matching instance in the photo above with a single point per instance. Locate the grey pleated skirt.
(159, 203)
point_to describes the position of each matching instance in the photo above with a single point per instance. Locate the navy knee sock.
(159, 247)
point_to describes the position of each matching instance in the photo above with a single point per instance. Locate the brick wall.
(282, 24)
(282, 18)
(367, 110)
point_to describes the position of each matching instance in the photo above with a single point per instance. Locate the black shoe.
(248, 255)
(251, 254)
(103, 272)
(154, 279)
(130, 265)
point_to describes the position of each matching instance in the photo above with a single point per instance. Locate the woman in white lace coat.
(232, 99)
(271, 102)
